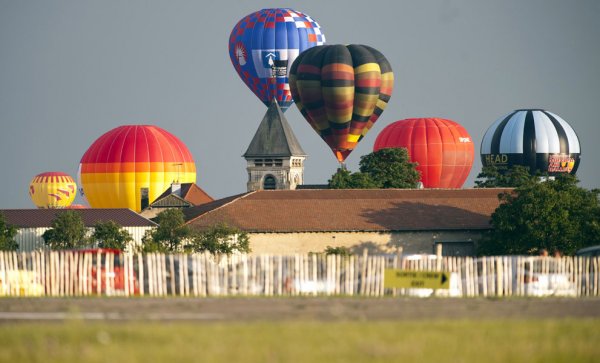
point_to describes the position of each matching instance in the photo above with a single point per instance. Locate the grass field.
(495, 340)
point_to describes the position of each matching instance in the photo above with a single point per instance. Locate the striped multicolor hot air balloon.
(535, 138)
(131, 164)
(52, 190)
(442, 148)
(341, 90)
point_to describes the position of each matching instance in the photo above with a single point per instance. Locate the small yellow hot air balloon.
(52, 190)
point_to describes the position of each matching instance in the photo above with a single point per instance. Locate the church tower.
(275, 158)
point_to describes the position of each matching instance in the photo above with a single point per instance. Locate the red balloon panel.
(442, 148)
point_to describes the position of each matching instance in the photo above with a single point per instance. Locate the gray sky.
(72, 70)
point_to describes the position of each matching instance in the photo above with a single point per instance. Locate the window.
(144, 199)
(270, 183)
(278, 162)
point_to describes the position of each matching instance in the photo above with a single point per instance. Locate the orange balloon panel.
(442, 148)
(52, 190)
(131, 163)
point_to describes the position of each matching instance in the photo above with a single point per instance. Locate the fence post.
(195, 289)
(363, 275)
(77, 273)
(595, 275)
(579, 279)
(499, 277)
(141, 277)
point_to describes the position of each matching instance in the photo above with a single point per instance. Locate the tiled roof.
(171, 201)
(312, 186)
(194, 194)
(274, 137)
(193, 212)
(190, 192)
(351, 210)
(33, 218)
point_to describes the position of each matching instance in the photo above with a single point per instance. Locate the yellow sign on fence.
(395, 278)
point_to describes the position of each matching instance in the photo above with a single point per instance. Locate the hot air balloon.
(52, 190)
(130, 166)
(442, 148)
(535, 138)
(341, 90)
(264, 44)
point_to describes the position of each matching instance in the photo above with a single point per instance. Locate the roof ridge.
(221, 206)
(274, 136)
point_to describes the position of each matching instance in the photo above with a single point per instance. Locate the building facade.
(379, 220)
(275, 159)
(32, 223)
(179, 196)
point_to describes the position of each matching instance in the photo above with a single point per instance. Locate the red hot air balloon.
(132, 163)
(443, 149)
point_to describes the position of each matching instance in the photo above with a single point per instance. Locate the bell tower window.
(270, 183)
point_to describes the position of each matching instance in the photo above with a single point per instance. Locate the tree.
(515, 176)
(67, 232)
(390, 168)
(7, 235)
(340, 250)
(384, 168)
(170, 235)
(220, 239)
(344, 179)
(555, 215)
(111, 235)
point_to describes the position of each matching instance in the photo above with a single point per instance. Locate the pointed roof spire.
(274, 137)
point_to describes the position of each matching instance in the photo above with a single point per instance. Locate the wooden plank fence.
(101, 273)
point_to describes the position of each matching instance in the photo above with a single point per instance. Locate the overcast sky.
(72, 70)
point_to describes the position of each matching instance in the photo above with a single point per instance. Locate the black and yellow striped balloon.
(341, 90)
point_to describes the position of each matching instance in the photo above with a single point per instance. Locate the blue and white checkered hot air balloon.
(263, 46)
(533, 138)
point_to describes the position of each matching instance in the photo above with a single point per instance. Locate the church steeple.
(275, 158)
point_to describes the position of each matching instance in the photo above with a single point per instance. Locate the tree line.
(539, 213)
(68, 232)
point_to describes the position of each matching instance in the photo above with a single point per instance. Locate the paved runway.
(297, 308)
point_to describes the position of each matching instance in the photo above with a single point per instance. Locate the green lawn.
(551, 340)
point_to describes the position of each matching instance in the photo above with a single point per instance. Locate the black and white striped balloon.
(534, 138)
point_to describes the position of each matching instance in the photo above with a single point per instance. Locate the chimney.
(176, 189)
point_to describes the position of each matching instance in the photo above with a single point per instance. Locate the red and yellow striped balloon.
(341, 90)
(52, 190)
(127, 162)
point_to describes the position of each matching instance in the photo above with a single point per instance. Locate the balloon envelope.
(263, 45)
(131, 163)
(535, 138)
(341, 90)
(442, 148)
(52, 190)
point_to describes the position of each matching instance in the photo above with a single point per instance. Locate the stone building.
(179, 195)
(380, 220)
(274, 158)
